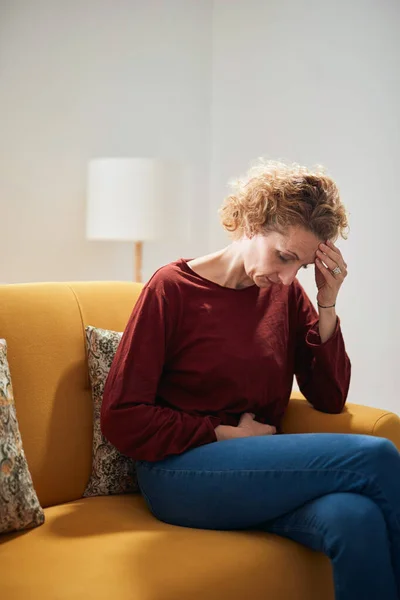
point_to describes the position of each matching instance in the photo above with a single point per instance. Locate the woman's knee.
(353, 522)
(381, 454)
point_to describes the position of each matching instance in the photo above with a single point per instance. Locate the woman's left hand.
(329, 283)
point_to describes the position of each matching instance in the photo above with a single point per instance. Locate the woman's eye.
(285, 260)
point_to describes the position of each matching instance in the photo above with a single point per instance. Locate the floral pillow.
(19, 504)
(112, 472)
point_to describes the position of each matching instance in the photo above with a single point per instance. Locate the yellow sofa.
(112, 548)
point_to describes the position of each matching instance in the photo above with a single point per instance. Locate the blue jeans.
(335, 493)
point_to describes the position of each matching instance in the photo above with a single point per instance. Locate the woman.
(203, 376)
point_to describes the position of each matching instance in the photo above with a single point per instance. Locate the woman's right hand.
(247, 427)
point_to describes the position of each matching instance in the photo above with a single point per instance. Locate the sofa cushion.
(19, 505)
(112, 472)
(112, 547)
(44, 325)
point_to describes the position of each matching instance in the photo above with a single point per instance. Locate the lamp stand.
(138, 254)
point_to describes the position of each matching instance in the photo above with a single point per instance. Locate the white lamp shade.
(133, 199)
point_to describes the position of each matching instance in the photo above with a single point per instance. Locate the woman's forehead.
(302, 243)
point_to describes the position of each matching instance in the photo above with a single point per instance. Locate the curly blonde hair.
(274, 196)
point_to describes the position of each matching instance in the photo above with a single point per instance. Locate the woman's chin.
(263, 281)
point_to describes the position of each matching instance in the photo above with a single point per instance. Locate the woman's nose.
(287, 277)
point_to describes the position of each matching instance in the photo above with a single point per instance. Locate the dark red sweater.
(195, 355)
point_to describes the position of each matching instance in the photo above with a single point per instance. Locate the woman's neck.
(224, 267)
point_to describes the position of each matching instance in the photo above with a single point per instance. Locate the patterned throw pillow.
(19, 504)
(112, 472)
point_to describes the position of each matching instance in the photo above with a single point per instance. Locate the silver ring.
(336, 271)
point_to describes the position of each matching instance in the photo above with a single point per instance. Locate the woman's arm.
(130, 418)
(322, 367)
(327, 323)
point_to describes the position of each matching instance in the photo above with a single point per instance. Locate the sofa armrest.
(301, 417)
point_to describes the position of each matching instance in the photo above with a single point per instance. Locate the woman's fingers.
(326, 258)
(246, 417)
(326, 272)
(331, 258)
(336, 249)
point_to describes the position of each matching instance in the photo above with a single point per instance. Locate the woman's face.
(273, 258)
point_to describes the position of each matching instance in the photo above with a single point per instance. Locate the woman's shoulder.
(297, 288)
(292, 295)
(298, 297)
(169, 278)
(287, 293)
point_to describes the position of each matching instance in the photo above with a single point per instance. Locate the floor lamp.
(127, 201)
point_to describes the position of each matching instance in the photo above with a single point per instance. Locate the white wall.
(96, 78)
(215, 84)
(318, 82)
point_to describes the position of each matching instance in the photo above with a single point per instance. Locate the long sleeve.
(322, 370)
(130, 417)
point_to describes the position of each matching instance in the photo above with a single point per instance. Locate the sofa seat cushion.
(112, 547)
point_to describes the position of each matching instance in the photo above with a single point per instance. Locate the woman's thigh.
(237, 484)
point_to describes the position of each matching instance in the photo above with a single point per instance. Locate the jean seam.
(246, 471)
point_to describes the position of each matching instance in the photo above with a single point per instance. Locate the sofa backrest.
(43, 324)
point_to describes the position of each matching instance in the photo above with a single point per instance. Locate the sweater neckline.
(185, 267)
